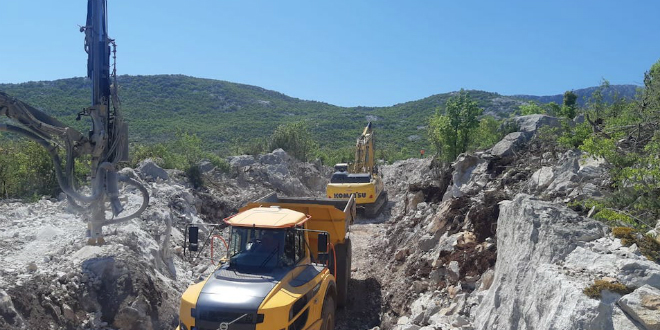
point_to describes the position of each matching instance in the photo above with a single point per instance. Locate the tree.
(452, 132)
(295, 139)
(570, 99)
(568, 108)
(597, 102)
(487, 134)
(553, 109)
(531, 108)
(627, 136)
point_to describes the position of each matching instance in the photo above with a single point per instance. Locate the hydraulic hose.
(145, 200)
(105, 170)
(56, 162)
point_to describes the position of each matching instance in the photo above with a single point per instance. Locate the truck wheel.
(328, 314)
(344, 254)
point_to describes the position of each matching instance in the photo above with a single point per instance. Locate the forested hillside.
(610, 93)
(227, 116)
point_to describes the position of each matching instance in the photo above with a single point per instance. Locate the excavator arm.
(106, 143)
(364, 152)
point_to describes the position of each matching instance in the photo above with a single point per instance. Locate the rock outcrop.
(534, 238)
(547, 254)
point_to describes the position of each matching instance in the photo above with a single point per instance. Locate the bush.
(574, 137)
(26, 171)
(594, 291)
(648, 246)
(487, 134)
(295, 139)
(183, 153)
(531, 108)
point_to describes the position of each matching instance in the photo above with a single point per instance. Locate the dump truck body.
(273, 278)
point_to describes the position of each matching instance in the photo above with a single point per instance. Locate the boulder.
(643, 305)
(271, 159)
(469, 176)
(10, 316)
(592, 168)
(621, 321)
(541, 179)
(281, 154)
(205, 166)
(511, 143)
(240, 161)
(151, 172)
(530, 124)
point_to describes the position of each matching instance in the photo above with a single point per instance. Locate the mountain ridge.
(223, 113)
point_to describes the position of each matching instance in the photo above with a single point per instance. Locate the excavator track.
(373, 210)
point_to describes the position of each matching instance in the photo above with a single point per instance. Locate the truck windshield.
(255, 249)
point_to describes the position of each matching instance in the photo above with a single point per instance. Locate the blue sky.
(349, 53)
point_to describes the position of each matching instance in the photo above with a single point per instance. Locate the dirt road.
(364, 307)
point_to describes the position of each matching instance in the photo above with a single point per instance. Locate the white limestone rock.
(530, 290)
(643, 305)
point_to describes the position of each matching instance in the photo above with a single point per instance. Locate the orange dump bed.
(331, 215)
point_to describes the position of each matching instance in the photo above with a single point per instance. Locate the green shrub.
(574, 137)
(594, 291)
(26, 171)
(648, 246)
(183, 153)
(295, 139)
(531, 108)
(613, 217)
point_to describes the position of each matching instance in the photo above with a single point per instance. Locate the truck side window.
(300, 245)
(290, 248)
(236, 241)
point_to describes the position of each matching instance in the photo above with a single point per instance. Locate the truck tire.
(344, 254)
(328, 314)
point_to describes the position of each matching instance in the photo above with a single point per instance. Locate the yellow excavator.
(287, 266)
(360, 178)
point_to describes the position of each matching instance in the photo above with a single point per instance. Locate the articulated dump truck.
(287, 266)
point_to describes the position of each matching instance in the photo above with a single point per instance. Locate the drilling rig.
(106, 143)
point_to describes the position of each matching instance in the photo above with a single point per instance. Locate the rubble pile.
(51, 279)
(251, 177)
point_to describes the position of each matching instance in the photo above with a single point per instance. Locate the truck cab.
(280, 271)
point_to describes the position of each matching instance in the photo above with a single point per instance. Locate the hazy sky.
(348, 53)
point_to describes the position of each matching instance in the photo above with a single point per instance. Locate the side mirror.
(323, 243)
(193, 238)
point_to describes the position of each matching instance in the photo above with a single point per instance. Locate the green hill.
(225, 114)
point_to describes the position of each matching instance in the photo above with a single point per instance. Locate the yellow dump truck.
(288, 266)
